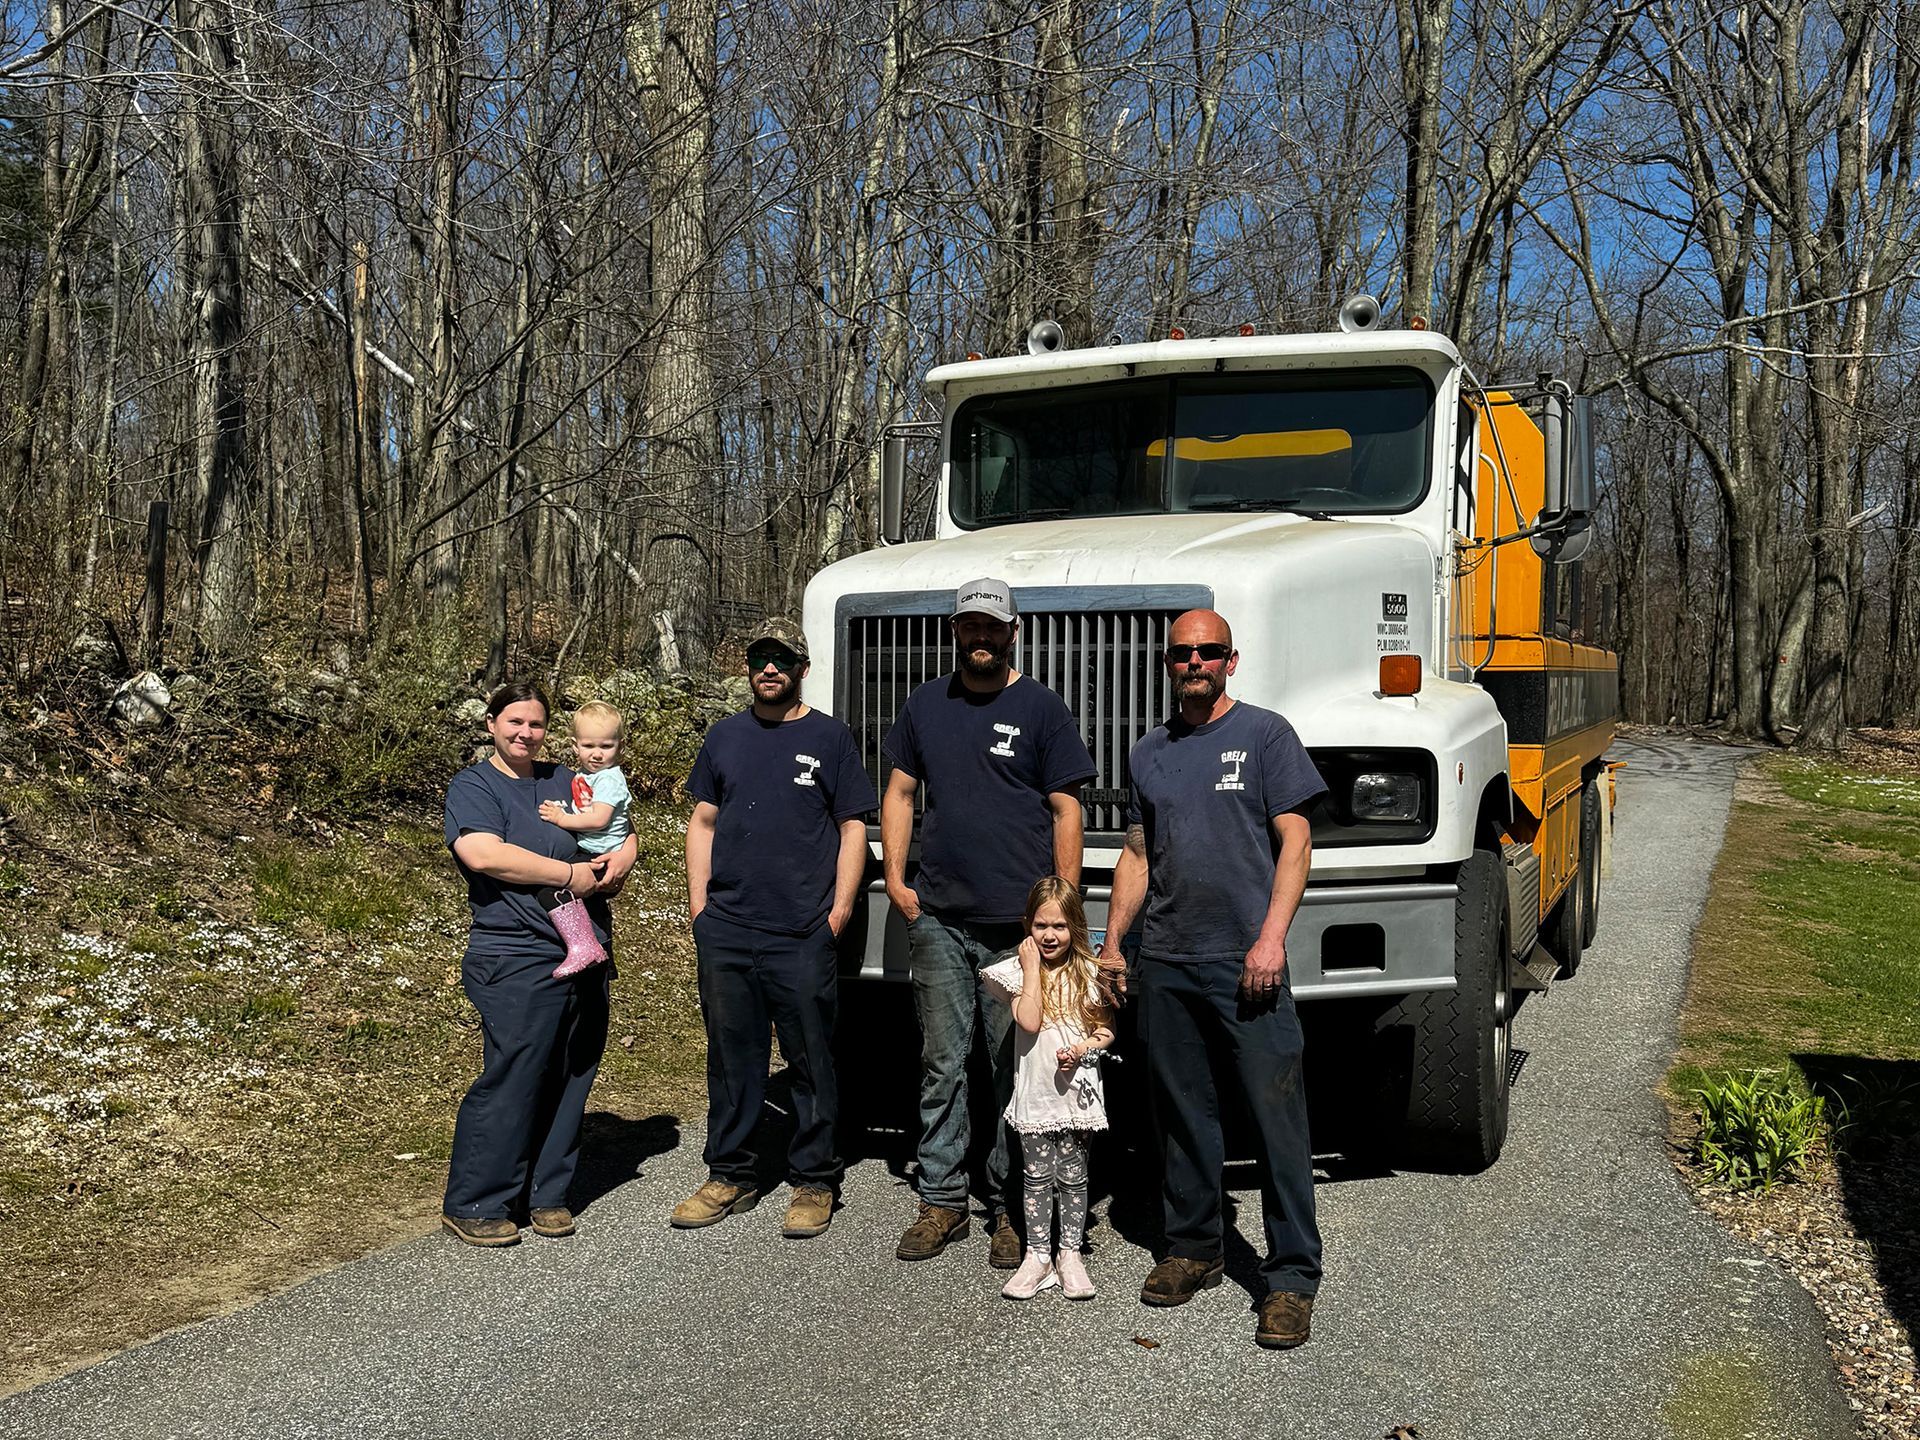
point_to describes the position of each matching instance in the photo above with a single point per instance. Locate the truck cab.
(1386, 538)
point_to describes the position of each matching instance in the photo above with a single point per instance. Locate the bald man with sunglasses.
(1218, 846)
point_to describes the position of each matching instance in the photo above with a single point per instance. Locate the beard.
(788, 685)
(988, 668)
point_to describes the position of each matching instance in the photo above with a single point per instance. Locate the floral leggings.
(1055, 1166)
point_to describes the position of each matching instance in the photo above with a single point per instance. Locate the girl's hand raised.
(1029, 954)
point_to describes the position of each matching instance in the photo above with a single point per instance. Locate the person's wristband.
(567, 884)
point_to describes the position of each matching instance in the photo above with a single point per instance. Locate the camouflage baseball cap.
(782, 631)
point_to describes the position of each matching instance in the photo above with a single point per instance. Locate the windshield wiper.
(1023, 517)
(1284, 506)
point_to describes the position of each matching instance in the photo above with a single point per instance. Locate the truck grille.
(1103, 662)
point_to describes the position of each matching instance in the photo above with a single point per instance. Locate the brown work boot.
(1286, 1320)
(553, 1221)
(711, 1204)
(481, 1230)
(1003, 1252)
(935, 1228)
(809, 1212)
(1176, 1280)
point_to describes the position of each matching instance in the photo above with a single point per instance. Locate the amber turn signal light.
(1399, 674)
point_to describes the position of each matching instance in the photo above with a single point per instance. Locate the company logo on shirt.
(1230, 762)
(1007, 734)
(805, 777)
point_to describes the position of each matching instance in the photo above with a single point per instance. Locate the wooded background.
(570, 328)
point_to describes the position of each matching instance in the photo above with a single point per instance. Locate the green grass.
(343, 888)
(1810, 946)
(1837, 787)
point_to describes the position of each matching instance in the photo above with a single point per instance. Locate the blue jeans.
(1193, 1021)
(951, 1002)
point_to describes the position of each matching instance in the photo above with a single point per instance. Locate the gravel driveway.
(1573, 1290)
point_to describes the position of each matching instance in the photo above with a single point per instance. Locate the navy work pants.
(750, 980)
(1192, 1017)
(516, 1142)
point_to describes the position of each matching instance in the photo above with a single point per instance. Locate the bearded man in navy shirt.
(1218, 846)
(1002, 762)
(776, 849)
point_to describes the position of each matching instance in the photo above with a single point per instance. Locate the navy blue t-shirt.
(988, 763)
(1206, 795)
(509, 923)
(783, 787)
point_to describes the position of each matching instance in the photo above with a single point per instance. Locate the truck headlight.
(1385, 795)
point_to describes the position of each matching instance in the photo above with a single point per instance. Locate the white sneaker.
(1034, 1275)
(1075, 1283)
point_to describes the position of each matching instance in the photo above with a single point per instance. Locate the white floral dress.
(1045, 1097)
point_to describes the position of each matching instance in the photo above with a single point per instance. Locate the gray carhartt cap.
(985, 597)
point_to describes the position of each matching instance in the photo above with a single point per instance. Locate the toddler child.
(597, 819)
(1063, 1007)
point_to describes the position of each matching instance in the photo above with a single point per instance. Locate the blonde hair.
(1077, 988)
(601, 710)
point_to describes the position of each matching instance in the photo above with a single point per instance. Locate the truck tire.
(1564, 932)
(1592, 817)
(1455, 1075)
(1570, 928)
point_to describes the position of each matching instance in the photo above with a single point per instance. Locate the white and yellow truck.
(1397, 547)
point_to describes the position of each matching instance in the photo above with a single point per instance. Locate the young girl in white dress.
(1063, 1005)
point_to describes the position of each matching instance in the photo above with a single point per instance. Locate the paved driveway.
(1571, 1291)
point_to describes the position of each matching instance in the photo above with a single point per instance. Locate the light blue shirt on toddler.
(609, 788)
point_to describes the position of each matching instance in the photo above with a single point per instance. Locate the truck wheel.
(1455, 1114)
(1592, 817)
(1566, 926)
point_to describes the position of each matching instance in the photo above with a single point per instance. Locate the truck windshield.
(1345, 442)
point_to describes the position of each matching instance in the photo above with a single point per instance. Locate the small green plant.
(267, 1005)
(146, 940)
(13, 880)
(1756, 1130)
(367, 1031)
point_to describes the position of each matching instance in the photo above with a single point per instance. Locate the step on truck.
(1398, 547)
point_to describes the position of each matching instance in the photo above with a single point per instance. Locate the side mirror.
(1567, 427)
(893, 489)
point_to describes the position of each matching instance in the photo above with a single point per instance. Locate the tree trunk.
(224, 481)
(675, 67)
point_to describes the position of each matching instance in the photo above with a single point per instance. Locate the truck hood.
(1314, 604)
(1239, 557)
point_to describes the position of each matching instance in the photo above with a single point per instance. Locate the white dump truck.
(1397, 549)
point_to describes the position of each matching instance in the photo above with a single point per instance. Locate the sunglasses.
(1210, 653)
(785, 661)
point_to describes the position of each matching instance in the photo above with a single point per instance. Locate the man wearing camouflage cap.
(776, 850)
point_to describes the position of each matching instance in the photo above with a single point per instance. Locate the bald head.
(1201, 627)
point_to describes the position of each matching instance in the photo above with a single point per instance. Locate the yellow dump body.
(1559, 694)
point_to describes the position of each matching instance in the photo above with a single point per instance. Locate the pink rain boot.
(584, 949)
